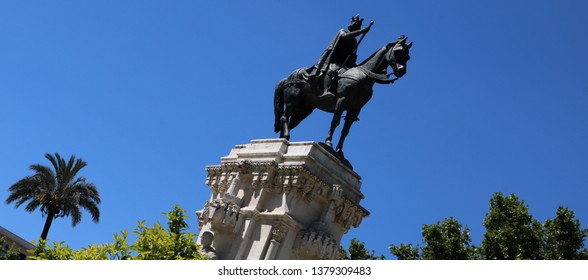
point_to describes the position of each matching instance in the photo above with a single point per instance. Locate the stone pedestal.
(278, 200)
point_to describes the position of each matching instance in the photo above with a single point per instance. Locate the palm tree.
(58, 192)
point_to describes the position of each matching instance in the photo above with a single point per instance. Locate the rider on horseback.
(341, 53)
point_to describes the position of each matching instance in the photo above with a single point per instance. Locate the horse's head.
(398, 56)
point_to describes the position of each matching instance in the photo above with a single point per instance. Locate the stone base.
(275, 199)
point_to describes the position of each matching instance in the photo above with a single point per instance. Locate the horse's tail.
(278, 105)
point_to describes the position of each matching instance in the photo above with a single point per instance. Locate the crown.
(357, 19)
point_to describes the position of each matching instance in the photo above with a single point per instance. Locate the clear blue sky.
(150, 92)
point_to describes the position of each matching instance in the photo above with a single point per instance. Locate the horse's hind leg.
(285, 131)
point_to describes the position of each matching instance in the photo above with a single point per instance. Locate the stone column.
(275, 199)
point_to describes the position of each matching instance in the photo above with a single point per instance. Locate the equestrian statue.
(336, 84)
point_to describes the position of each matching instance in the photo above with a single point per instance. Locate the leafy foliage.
(57, 192)
(153, 243)
(157, 243)
(405, 251)
(357, 251)
(511, 232)
(8, 252)
(564, 237)
(441, 241)
(446, 241)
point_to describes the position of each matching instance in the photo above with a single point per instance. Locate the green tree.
(58, 192)
(118, 250)
(446, 241)
(59, 251)
(152, 243)
(405, 251)
(157, 243)
(357, 251)
(511, 232)
(565, 237)
(8, 251)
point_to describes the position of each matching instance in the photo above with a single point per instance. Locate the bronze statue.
(297, 95)
(339, 55)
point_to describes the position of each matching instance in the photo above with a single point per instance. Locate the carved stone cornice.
(314, 244)
(348, 213)
(262, 173)
(221, 176)
(293, 179)
(297, 180)
(221, 213)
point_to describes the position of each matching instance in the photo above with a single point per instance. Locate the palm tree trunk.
(48, 222)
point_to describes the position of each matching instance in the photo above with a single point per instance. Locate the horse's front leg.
(336, 121)
(349, 119)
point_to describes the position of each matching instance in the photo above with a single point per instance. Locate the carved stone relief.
(314, 244)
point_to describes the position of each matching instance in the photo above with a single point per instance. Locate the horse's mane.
(384, 48)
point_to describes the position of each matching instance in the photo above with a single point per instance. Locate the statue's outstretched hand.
(367, 29)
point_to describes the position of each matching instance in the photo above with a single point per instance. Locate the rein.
(380, 78)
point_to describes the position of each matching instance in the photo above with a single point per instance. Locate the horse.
(297, 95)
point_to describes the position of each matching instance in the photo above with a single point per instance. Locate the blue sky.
(150, 92)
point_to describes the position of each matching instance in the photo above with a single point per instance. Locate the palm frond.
(42, 171)
(33, 205)
(76, 216)
(53, 160)
(23, 190)
(91, 205)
